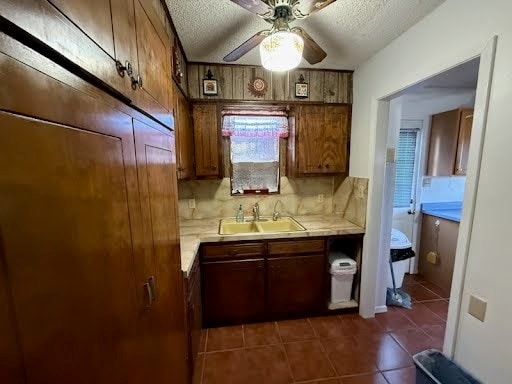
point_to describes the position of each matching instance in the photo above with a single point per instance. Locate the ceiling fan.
(282, 47)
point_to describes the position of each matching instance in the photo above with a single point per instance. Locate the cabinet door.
(207, 140)
(184, 136)
(444, 243)
(93, 17)
(11, 368)
(233, 291)
(296, 285)
(310, 137)
(66, 201)
(153, 52)
(195, 315)
(466, 124)
(125, 39)
(335, 146)
(163, 328)
(444, 132)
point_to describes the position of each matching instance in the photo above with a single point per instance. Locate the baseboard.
(381, 309)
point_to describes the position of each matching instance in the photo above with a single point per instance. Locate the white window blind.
(405, 161)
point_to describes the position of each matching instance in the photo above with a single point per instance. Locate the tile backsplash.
(299, 196)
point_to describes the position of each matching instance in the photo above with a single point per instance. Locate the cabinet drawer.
(294, 247)
(232, 251)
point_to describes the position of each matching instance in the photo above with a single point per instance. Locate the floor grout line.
(323, 348)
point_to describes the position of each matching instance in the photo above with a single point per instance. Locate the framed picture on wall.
(301, 90)
(210, 87)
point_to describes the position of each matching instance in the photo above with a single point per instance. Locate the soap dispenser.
(240, 215)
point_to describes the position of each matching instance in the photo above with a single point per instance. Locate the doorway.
(383, 190)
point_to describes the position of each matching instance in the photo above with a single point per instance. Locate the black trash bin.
(432, 367)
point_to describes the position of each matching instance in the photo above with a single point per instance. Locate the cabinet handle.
(136, 82)
(327, 166)
(121, 69)
(150, 295)
(152, 285)
(319, 165)
(214, 168)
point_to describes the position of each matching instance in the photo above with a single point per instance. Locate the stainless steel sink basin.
(283, 224)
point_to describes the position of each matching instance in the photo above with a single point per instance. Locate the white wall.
(443, 189)
(455, 32)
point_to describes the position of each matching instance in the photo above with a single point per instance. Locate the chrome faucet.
(256, 212)
(276, 215)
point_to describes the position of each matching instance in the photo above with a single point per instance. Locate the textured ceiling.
(350, 31)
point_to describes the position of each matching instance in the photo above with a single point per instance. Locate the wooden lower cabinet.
(444, 242)
(296, 285)
(194, 314)
(91, 286)
(257, 281)
(233, 291)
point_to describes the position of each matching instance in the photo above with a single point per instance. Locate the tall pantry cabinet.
(91, 286)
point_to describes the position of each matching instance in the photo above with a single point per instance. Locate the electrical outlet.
(320, 198)
(191, 203)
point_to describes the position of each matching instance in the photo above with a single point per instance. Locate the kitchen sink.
(283, 224)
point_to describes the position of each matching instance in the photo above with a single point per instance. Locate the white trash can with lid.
(343, 269)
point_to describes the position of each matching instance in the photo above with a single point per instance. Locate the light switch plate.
(477, 307)
(427, 182)
(320, 198)
(191, 203)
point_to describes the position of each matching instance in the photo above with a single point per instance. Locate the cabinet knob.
(319, 166)
(121, 69)
(136, 82)
(327, 166)
(214, 168)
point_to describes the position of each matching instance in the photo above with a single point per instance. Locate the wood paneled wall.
(325, 86)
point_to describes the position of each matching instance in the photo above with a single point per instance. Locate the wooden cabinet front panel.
(222, 251)
(445, 243)
(296, 284)
(207, 140)
(233, 291)
(11, 369)
(164, 339)
(296, 247)
(310, 139)
(466, 124)
(93, 17)
(153, 53)
(125, 39)
(335, 148)
(195, 314)
(67, 246)
(444, 132)
(184, 135)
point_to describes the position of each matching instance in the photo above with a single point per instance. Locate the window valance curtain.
(255, 124)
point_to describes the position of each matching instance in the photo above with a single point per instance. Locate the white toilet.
(402, 247)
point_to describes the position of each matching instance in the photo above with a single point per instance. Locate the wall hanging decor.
(177, 73)
(257, 87)
(301, 88)
(210, 86)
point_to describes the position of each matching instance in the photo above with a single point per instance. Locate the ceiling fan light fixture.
(281, 51)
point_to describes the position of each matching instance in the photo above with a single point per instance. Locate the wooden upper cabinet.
(93, 17)
(96, 34)
(335, 153)
(153, 47)
(184, 135)
(450, 133)
(466, 124)
(319, 140)
(207, 140)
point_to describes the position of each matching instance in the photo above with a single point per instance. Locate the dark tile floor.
(344, 349)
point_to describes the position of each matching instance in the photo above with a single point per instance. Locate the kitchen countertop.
(449, 211)
(195, 232)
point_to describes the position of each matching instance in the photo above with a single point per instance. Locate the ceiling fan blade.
(309, 7)
(255, 6)
(245, 47)
(313, 53)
